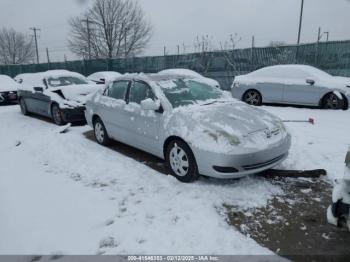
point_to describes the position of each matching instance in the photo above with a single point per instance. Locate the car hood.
(233, 117)
(79, 93)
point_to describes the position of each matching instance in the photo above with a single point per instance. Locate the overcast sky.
(178, 22)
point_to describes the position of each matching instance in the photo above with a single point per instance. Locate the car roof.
(153, 77)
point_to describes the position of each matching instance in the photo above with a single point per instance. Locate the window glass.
(187, 92)
(65, 81)
(118, 90)
(139, 92)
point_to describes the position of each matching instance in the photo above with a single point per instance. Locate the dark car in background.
(58, 94)
(8, 90)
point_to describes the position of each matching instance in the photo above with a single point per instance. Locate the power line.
(35, 30)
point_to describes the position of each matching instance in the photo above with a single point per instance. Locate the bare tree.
(110, 29)
(15, 47)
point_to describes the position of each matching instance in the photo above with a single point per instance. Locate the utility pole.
(48, 57)
(252, 49)
(125, 47)
(88, 30)
(327, 33)
(301, 20)
(178, 49)
(35, 30)
(164, 50)
(319, 35)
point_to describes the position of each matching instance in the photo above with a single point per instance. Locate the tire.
(23, 106)
(252, 97)
(100, 133)
(332, 101)
(56, 115)
(181, 161)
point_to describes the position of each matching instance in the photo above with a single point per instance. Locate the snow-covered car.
(196, 128)
(293, 84)
(58, 94)
(8, 89)
(19, 78)
(191, 73)
(103, 78)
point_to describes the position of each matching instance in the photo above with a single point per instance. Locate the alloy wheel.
(252, 98)
(179, 161)
(99, 132)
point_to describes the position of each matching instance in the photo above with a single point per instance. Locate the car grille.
(260, 165)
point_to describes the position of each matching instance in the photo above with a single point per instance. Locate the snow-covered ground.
(65, 194)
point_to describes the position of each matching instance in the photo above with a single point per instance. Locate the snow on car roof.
(7, 83)
(106, 75)
(180, 71)
(153, 77)
(313, 71)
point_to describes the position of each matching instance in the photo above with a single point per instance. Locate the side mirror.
(310, 81)
(148, 104)
(38, 89)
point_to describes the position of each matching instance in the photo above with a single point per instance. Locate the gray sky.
(178, 22)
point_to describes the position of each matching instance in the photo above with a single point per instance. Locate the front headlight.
(232, 139)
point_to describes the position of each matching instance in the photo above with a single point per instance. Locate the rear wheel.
(23, 106)
(332, 101)
(100, 132)
(181, 161)
(56, 114)
(252, 97)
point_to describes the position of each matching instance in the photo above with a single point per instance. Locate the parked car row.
(183, 117)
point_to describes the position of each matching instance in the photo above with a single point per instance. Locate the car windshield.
(181, 92)
(65, 81)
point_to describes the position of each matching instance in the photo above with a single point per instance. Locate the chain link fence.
(333, 57)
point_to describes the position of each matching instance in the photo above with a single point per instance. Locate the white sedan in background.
(293, 84)
(192, 74)
(103, 78)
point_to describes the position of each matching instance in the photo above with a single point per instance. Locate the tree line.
(108, 29)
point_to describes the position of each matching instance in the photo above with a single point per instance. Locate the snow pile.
(73, 196)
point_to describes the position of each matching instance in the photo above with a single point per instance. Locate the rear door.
(111, 109)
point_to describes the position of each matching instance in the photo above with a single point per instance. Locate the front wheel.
(332, 101)
(57, 115)
(252, 97)
(181, 161)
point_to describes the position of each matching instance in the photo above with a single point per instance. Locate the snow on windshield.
(186, 92)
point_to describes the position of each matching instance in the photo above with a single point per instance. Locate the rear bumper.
(73, 115)
(220, 165)
(6, 97)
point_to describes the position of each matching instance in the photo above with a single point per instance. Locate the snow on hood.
(7, 84)
(216, 125)
(79, 93)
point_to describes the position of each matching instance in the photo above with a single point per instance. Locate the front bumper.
(73, 115)
(6, 97)
(220, 165)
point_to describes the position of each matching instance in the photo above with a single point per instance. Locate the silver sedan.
(293, 84)
(196, 128)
